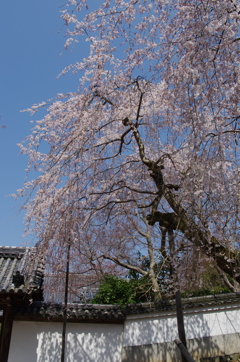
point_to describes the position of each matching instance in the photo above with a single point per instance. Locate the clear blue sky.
(32, 37)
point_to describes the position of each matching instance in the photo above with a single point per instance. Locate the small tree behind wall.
(120, 291)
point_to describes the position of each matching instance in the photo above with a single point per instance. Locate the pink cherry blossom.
(153, 127)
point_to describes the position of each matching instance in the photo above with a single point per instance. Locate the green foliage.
(162, 274)
(120, 291)
(211, 283)
(114, 290)
(142, 290)
(138, 289)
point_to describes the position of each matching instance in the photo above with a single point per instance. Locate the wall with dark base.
(206, 349)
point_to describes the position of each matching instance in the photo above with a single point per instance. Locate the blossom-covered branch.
(153, 126)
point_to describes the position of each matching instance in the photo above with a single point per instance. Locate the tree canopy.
(150, 138)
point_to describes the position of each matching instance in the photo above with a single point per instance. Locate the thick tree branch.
(226, 259)
(125, 265)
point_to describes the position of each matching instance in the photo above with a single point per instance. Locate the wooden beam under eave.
(6, 329)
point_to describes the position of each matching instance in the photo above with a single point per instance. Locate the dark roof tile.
(115, 313)
(20, 270)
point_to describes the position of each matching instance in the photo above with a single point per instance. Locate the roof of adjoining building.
(20, 269)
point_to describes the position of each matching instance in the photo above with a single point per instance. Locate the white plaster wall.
(162, 327)
(210, 323)
(41, 342)
(148, 330)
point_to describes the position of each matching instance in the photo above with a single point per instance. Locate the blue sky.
(32, 37)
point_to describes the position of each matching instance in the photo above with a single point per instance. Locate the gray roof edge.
(107, 313)
(148, 307)
(17, 247)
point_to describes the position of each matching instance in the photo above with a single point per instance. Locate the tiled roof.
(187, 303)
(115, 313)
(75, 312)
(20, 270)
